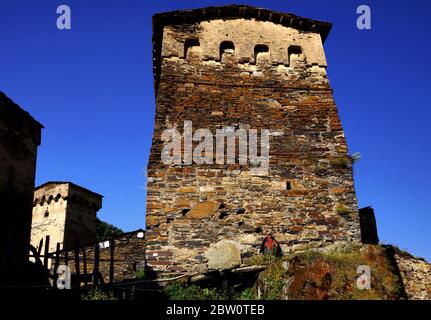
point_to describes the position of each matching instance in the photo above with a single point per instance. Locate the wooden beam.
(77, 271)
(111, 262)
(46, 252)
(84, 261)
(96, 264)
(56, 263)
(39, 249)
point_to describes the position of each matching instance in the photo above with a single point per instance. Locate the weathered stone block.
(223, 255)
(203, 210)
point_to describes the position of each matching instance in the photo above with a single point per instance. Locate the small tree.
(106, 230)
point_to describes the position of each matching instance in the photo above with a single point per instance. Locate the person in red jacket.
(270, 246)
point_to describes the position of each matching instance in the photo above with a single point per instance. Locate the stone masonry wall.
(20, 136)
(49, 216)
(67, 213)
(306, 199)
(128, 258)
(415, 274)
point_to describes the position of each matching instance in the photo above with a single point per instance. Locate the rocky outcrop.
(332, 273)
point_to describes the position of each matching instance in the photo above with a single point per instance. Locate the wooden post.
(66, 258)
(46, 252)
(84, 262)
(39, 249)
(77, 273)
(111, 262)
(56, 263)
(96, 265)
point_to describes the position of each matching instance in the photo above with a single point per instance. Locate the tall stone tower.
(20, 136)
(66, 213)
(240, 67)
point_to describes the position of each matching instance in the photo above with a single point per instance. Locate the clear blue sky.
(92, 88)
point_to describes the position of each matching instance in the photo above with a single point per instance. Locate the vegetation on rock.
(318, 274)
(184, 291)
(331, 274)
(97, 294)
(343, 210)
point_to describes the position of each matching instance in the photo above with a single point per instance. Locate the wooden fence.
(81, 275)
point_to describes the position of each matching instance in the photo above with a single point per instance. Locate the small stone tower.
(20, 136)
(240, 67)
(66, 213)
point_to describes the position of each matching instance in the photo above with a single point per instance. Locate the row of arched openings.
(229, 47)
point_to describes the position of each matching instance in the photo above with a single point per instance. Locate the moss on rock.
(330, 274)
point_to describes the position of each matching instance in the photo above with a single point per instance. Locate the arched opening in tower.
(227, 50)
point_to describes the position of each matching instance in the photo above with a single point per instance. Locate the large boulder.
(223, 255)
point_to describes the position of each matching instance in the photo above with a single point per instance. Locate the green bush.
(106, 231)
(274, 281)
(179, 291)
(183, 291)
(140, 273)
(247, 294)
(97, 294)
